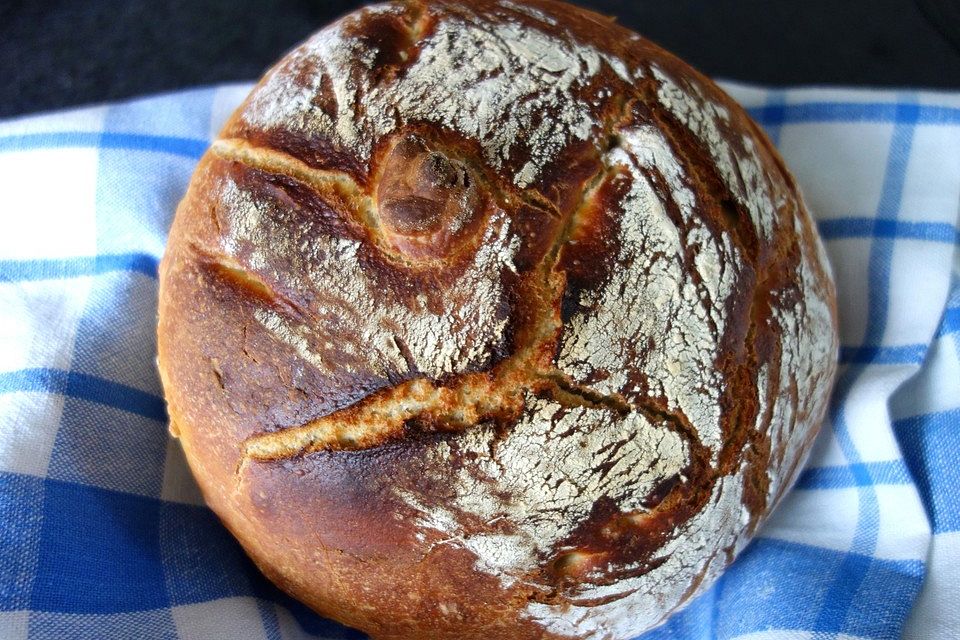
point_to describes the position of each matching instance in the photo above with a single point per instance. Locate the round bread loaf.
(491, 319)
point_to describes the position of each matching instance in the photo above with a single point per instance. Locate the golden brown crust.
(492, 320)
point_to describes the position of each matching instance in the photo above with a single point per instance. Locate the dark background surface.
(60, 53)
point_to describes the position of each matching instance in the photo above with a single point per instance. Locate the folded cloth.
(104, 535)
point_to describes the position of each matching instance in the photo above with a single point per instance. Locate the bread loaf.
(491, 319)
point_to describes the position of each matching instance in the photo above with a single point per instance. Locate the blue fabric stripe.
(841, 597)
(776, 101)
(85, 387)
(63, 268)
(874, 354)
(186, 147)
(846, 112)
(843, 476)
(268, 617)
(862, 227)
(21, 515)
(930, 443)
(98, 552)
(950, 322)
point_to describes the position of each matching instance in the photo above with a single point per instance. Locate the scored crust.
(493, 320)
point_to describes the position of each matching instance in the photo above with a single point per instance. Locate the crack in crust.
(280, 163)
(385, 416)
(338, 186)
(231, 271)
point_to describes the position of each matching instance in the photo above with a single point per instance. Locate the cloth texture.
(103, 533)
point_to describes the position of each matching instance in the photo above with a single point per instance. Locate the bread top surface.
(502, 282)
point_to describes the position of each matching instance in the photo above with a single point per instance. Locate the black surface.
(62, 53)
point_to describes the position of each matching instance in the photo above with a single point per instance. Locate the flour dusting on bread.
(492, 320)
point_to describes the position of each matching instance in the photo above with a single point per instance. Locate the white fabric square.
(748, 96)
(88, 120)
(14, 625)
(228, 618)
(937, 98)
(840, 95)
(178, 483)
(935, 388)
(919, 283)
(38, 325)
(937, 614)
(840, 167)
(44, 221)
(931, 189)
(823, 518)
(849, 258)
(867, 412)
(904, 532)
(28, 430)
(826, 450)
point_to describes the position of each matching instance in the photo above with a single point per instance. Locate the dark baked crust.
(479, 360)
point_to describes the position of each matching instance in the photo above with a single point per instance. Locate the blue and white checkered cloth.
(103, 533)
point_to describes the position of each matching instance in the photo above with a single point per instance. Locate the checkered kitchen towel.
(103, 533)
